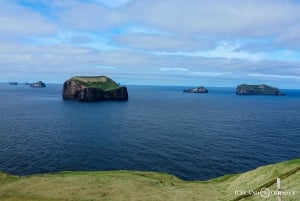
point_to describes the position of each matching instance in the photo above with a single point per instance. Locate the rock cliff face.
(196, 90)
(93, 89)
(262, 89)
(39, 84)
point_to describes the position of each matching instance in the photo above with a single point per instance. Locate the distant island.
(262, 89)
(196, 90)
(93, 88)
(38, 84)
(13, 83)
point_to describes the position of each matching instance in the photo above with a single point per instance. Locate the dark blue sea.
(192, 136)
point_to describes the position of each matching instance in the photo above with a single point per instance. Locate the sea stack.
(38, 84)
(196, 90)
(262, 89)
(93, 88)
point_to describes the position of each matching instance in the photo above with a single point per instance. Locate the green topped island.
(93, 88)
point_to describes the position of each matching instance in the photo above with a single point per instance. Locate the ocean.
(192, 136)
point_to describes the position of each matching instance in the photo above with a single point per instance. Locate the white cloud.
(162, 42)
(107, 67)
(233, 18)
(175, 69)
(229, 51)
(211, 74)
(274, 76)
(224, 49)
(290, 37)
(112, 4)
(19, 21)
(19, 26)
(183, 20)
(88, 16)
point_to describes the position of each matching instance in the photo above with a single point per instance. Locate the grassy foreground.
(146, 186)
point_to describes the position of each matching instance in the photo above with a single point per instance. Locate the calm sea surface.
(193, 136)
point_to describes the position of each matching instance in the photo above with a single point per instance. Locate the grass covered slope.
(100, 82)
(144, 186)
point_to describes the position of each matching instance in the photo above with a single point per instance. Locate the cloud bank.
(152, 42)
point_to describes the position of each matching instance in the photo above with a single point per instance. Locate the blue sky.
(157, 42)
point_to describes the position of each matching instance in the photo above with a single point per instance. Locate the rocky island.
(38, 84)
(196, 90)
(13, 83)
(262, 89)
(93, 88)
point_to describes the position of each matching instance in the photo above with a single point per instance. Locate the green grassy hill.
(100, 82)
(148, 186)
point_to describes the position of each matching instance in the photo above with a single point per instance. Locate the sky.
(152, 42)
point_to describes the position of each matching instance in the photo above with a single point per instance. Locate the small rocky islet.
(262, 89)
(12, 83)
(196, 90)
(244, 89)
(93, 88)
(38, 84)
